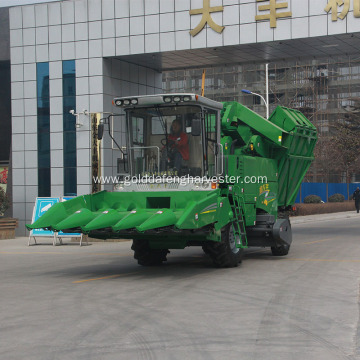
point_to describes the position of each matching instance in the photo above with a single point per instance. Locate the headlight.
(167, 99)
(177, 99)
(118, 102)
(187, 98)
(134, 101)
(205, 185)
(127, 102)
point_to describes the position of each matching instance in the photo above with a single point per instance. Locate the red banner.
(3, 177)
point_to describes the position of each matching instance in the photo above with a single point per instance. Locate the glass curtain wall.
(5, 110)
(43, 129)
(69, 121)
(320, 88)
(326, 90)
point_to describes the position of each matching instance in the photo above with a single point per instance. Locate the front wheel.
(147, 256)
(281, 250)
(224, 254)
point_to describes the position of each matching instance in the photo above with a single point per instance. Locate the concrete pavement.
(95, 302)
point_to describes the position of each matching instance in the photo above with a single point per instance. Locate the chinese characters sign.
(334, 5)
(206, 18)
(95, 153)
(272, 8)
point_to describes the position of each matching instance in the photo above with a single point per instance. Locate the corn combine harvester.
(239, 174)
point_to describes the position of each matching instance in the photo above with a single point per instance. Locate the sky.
(5, 3)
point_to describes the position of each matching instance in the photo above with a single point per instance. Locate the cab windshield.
(172, 140)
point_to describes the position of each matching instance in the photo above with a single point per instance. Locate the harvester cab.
(172, 136)
(198, 173)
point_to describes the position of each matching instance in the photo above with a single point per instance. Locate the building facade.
(70, 58)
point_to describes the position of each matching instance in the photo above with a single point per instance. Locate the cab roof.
(165, 99)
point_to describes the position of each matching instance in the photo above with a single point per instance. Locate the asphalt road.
(95, 302)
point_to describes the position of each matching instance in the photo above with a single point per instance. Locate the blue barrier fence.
(325, 190)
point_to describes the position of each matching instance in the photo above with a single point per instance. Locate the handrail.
(222, 159)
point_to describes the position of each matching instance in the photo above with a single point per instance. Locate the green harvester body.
(260, 164)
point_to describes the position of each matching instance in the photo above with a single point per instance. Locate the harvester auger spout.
(208, 174)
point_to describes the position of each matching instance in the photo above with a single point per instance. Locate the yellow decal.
(266, 202)
(264, 188)
(206, 212)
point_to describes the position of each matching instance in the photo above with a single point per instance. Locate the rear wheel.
(281, 250)
(147, 256)
(225, 253)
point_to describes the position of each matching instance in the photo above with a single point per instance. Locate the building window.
(69, 121)
(43, 129)
(5, 109)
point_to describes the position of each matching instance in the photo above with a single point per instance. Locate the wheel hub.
(232, 241)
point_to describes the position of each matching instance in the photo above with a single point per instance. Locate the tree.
(4, 201)
(327, 159)
(346, 140)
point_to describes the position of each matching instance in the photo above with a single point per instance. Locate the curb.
(324, 217)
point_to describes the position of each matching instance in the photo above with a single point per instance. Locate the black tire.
(224, 254)
(147, 256)
(281, 250)
(205, 249)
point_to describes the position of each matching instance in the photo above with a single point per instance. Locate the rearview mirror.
(196, 127)
(100, 131)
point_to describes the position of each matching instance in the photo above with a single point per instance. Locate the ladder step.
(240, 234)
(239, 225)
